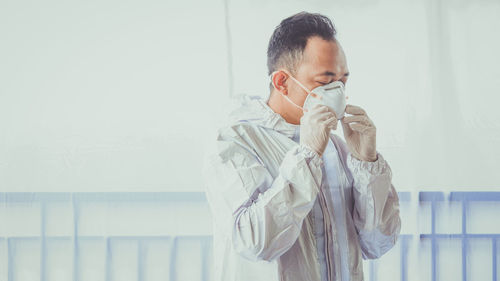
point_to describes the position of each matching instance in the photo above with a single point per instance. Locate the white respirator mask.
(331, 95)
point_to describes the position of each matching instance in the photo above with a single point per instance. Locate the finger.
(332, 127)
(354, 109)
(319, 111)
(358, 118)
(331, 110)
(319, 108)
(326, 115)
(331, 119)
(359, 127)
(323, 107)
(347, 129)
(331, 122)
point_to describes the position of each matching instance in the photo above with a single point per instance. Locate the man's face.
(323, 62)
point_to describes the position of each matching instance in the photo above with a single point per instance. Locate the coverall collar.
(254, 109)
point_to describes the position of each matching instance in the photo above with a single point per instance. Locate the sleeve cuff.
(376, 167)
(310, 155)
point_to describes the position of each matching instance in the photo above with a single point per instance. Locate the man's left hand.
(360, 133)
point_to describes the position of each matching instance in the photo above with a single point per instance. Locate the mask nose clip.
(332, 88)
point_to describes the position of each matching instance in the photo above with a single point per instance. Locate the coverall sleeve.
(263, 215)
(376, 206)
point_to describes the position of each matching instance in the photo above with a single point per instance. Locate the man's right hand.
(315, 127)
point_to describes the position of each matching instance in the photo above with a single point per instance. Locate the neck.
(278, 104)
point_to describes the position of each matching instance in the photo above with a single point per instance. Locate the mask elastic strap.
(296, 81)
(300, 84)
(285, 96)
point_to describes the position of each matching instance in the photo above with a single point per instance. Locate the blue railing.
(464, 198)
(176, 242)
(42, 200)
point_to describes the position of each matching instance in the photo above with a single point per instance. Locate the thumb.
(347, 129)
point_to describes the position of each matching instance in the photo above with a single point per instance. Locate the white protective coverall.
(261, 186)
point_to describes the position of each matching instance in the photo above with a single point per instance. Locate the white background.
(123, 95)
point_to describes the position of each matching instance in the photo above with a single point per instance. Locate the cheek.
(298, 95)
(301, 99)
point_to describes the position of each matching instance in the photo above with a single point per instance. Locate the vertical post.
(372, 270)
(140, 260)
(10, 258)
(74, 203)
(494, 252)
(404, 259)
(205, 247)
(43, 241)
(172, 260)
(108, 258)
(433, 238)
(464, 238)
(449, 121)
(229, 48)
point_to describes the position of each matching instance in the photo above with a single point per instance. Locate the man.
(290, 199)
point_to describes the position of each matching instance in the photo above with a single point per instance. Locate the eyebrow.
(329, 73)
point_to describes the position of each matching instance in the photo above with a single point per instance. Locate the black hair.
(289, 39)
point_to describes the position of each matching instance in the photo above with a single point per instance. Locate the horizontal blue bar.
(475, 196)
(101, 196)
(460, 196)
(431, 196)
(118, 196)
(34, 196)
(200, 196)
(112, 237)
(458, 235)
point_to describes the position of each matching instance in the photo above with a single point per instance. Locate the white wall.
(121, 96)
(107, 95)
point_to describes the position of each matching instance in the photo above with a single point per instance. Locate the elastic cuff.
(376, 167)
(310, 155)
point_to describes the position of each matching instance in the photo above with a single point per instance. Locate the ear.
(279, 81)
